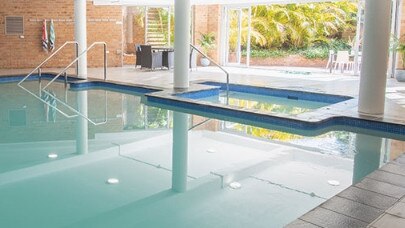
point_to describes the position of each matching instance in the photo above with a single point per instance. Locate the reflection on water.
(266, 103)
(151, 151)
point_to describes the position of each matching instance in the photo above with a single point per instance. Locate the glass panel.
(238, 33)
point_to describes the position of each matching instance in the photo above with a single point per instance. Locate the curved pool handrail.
(38, 68)
(217, 65)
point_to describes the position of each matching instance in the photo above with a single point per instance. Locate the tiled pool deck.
(378, 201)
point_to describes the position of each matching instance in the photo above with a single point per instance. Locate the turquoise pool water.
(281, 175)
(264, 103)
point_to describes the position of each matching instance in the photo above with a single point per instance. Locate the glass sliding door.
(237, 32)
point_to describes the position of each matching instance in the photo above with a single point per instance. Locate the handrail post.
(227, 89)
(77, 55)
(105, 61)
(220, 67)
(39, 75)
(65, 75)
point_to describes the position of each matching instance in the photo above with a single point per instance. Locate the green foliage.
(399, 46)
(267, 53)
(315, 53)
(319, 50)
(295, 25)
(164, 15)
(207, 41)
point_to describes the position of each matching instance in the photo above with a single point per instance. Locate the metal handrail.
(80, 114)
(200, 124)
(65, 75)
(54, 107)
(219, 66)
(78, 57)
(38, 68)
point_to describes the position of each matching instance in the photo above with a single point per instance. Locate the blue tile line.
(301, 95)
(285, 122)
(34, 77)
(200, 94)
(76, 83)
(108, 85)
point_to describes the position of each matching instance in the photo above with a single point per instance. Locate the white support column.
(180, 152)
(368, 156)
(81, 34)
(375, 57)
(82, 125)
(182, 13)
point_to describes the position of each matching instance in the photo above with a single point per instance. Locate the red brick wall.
(104, 23)
(208, 19)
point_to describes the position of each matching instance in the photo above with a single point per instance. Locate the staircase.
(157, 27)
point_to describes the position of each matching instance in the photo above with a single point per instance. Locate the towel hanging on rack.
(52, 36)
(44, 37)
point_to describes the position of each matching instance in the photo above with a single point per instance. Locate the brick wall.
(208, 19)
(104, 23)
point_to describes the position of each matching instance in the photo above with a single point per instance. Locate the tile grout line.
(362, 203)
(321, 206)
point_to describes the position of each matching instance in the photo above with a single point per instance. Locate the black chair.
(138, 55)
(168, 59)
(149, 59)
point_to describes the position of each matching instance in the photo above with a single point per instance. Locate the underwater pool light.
(53, 155)
(334, 182)
(211, 150)
(113, 181)
(235, 185)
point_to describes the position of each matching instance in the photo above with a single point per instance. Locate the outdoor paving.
(378, 201)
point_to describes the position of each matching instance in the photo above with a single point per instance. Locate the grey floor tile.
(301, 224)
(368, 198)
(382, 188)
(352, 209)
(389, 221)
(400, 160)
(327, 218)
(398, 210)
(387, 177)
(394, 168)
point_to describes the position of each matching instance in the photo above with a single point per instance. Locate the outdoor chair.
(138, 55)
(149, 59)
(342, 61)
(331, 59)
(168, 59)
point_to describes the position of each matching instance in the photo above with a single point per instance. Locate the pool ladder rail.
(217, 65)
(64, 73)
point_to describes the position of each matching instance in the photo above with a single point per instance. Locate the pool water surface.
(237, 175)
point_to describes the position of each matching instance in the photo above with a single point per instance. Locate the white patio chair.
(331, 59)
(342, 61)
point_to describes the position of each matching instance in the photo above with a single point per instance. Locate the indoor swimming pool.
(59, 171)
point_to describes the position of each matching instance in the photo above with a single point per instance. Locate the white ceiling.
(201, 2)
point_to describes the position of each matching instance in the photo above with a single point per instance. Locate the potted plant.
(206, 42)
(399, 46)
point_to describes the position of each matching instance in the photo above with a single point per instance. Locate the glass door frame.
(225, 38)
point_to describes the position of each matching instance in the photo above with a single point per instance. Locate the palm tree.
(295, 25)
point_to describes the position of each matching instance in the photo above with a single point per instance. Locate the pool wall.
(266, 91)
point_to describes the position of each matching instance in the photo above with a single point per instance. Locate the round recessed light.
(113, 181)
(334, 182)
(235, 185)
(52, 155)
(211, 151)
